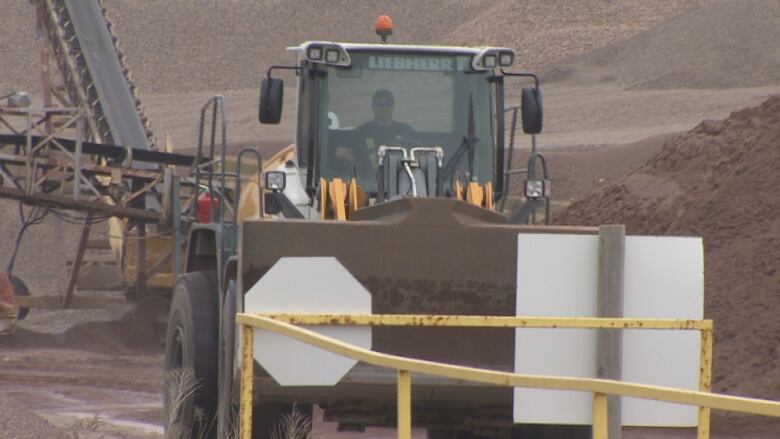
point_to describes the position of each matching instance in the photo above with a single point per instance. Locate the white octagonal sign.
(317, 285)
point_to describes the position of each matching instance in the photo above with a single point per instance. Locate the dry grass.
(180, 385)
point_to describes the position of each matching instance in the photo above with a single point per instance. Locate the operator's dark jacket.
(371, 135)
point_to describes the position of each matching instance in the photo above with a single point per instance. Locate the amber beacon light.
(384, 27)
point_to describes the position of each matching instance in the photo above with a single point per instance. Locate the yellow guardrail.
(285, 324)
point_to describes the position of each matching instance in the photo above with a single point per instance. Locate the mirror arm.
(281, 67)
(523, 75)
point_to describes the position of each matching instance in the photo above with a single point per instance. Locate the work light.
(314, 53)
(535, 189)
(331, 56)
(505, 59)
(275, 180)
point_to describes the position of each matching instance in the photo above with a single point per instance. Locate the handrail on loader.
(285, 324)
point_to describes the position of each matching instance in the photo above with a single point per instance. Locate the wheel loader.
(396, 171)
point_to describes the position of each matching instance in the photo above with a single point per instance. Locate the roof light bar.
(492, 57)
(327, 53)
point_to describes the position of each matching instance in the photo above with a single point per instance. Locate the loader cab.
(401, 120)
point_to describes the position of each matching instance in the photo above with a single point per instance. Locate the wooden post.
(74, 270)
(58, 249)
(610, 304)
(57, 229)
(45, 76)
(140, 274)
(77, 176)
(176, 212)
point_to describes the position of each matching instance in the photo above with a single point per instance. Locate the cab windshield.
(405, 99)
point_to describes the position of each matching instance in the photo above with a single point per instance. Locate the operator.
(382, 130)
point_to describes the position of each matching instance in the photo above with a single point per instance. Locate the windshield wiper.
(468, 145)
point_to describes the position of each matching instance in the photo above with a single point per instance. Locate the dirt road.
(102, 391)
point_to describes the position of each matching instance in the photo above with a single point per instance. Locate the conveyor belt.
(97, 49)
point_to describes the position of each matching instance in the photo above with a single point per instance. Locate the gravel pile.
(721, 44)
(181, 46)
(177, 46)
(19, 67)
(222, 45)
(543, 32)
(42, 252)
(718, 181)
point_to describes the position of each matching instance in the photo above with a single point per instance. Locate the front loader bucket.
(415, 256)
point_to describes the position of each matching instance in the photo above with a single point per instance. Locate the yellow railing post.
(404, 404)
(247, 366)
(705, 381)
(600, 416)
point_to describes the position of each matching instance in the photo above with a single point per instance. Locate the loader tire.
(20, 289)
(192, 345)
(227, 422)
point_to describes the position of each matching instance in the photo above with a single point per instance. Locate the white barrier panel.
(557, 276)
(308, 285)
(664, 278)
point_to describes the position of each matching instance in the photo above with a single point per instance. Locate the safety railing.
(286, 324)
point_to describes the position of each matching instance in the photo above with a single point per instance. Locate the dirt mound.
(141, 330)
(720, 44)
(579, 170)
(543, 32)
(718, 181)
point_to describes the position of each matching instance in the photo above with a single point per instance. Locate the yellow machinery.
(397, 171)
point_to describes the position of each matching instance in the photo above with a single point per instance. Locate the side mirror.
(532, 110)
(271, 96)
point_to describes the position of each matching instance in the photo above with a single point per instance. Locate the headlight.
(535, 189)
(326, 52)
(314, 53)
(331, 56)
(506, 59)
(275, 180)
(490, 58)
